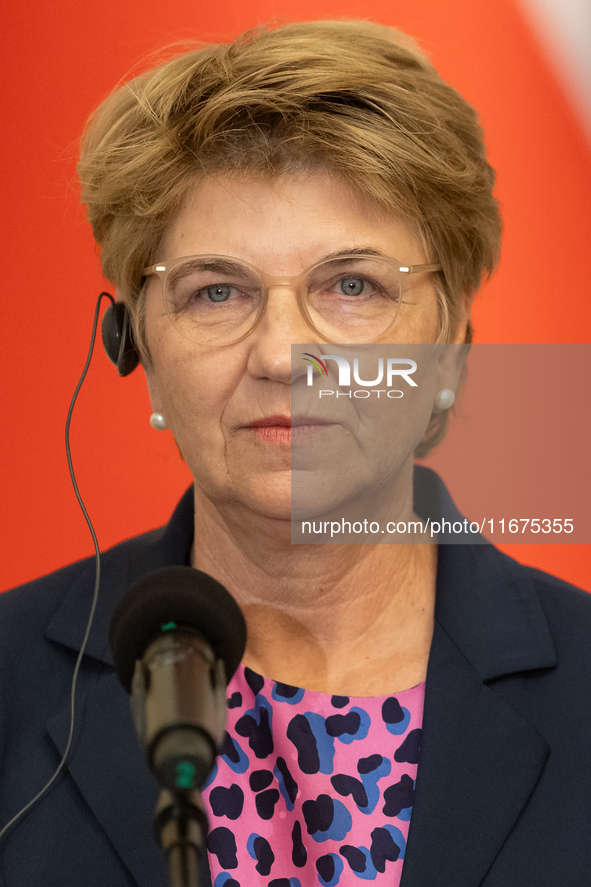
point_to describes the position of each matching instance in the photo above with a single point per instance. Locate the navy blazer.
(503, 795)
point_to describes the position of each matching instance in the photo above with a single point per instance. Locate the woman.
(402, 713)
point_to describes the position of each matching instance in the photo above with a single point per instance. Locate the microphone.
(177, 637)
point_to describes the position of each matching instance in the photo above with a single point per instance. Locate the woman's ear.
(452, 362)
(158, 418)
(153, 392)
(452, 357)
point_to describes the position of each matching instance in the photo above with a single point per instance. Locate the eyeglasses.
(219, 300)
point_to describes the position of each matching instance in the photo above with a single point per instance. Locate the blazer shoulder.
(568, 613)
(559, 597)
(34, 603)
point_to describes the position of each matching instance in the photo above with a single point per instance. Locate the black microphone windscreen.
(180, 595)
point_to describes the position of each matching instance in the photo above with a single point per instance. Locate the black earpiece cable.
(62, 763)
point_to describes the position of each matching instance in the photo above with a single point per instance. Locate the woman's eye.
(352, 286)
(218, 292)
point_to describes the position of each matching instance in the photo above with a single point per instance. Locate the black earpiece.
(117, 338)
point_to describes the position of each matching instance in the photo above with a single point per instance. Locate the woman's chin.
(260, 500)
(285, 496)
(309, 501)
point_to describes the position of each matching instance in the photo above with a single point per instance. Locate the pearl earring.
(158, 421)
(445, 398)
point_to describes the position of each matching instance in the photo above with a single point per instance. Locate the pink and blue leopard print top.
(311, 789)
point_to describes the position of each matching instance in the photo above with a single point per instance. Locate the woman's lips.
(287, 429)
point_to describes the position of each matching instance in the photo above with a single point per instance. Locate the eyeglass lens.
(214, 300)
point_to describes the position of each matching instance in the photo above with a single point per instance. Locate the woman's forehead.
(284, 225)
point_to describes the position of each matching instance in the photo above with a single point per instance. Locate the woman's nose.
(281, 327)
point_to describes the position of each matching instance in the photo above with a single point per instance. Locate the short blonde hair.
(352, 97)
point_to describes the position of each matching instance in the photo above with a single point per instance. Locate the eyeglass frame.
(163, 269)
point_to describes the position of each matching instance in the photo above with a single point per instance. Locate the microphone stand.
(178, 702)
(180, 827)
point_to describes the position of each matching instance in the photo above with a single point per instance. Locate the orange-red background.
(59, 61)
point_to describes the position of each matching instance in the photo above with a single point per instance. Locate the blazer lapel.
(108, 768)
(105, 760)
(479, 763)
(480, 759)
